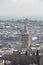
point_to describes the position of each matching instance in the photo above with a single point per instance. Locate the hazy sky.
(21, 7)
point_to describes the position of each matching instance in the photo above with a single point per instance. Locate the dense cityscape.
(21, 32)
(15, 41)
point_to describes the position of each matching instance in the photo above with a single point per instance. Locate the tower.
(25, 38)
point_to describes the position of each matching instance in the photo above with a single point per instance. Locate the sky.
(21, 7)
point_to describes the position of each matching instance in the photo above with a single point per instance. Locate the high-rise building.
(25, 38)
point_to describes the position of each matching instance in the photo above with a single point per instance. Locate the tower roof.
(25, 30)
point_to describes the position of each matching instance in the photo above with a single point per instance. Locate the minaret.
(25, 38)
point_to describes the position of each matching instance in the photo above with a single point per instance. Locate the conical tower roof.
(25, 30)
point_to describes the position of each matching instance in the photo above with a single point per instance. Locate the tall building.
(25, 38)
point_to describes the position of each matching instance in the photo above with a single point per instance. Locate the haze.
(21, 7)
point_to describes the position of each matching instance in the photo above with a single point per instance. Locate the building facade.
(25, 38)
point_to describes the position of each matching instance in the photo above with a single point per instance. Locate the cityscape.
(21, 42)
(21, 32)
